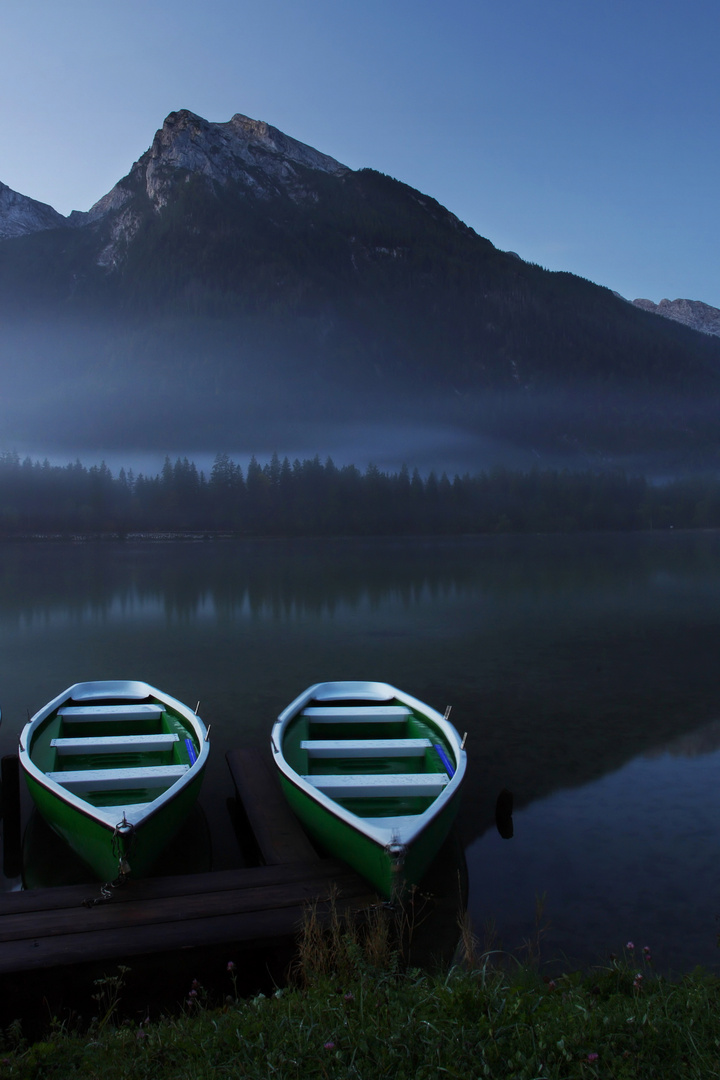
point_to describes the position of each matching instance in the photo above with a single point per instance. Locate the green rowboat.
(373, 774)
(114, 768)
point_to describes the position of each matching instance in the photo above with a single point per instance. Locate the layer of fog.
(132, 400)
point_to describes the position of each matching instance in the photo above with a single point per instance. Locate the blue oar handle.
(449, 767)
(191, 751)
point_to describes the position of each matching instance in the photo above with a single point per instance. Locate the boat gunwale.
(131, 690)
(413, 824)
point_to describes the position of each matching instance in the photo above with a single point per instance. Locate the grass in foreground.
(354, 1011)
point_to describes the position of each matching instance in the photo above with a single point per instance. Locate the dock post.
(12, 833)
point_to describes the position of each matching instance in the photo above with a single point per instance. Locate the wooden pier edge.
(278, 833)
(248, 908)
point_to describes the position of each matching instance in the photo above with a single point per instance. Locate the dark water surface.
(585, 669)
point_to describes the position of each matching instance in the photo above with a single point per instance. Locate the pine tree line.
(306, 498)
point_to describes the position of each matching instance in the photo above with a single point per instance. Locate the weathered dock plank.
(278, 833)
(251, 892)
(252, 913)
(72, 896)
(251, 907)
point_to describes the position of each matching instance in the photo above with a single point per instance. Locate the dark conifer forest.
(315, 498)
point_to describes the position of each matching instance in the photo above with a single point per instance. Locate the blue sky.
(582, 134)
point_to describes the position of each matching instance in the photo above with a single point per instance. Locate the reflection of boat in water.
(114, 768)
(433, 911)
(48, 861)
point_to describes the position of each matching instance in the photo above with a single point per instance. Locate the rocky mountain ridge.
(693, 313)
(241, 151)
(20, 215)
(237, 285)
(244, 152)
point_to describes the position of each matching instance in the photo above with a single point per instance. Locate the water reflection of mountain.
(706, 740)
(537, 760)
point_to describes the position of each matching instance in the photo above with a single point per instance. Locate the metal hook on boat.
(397, 852)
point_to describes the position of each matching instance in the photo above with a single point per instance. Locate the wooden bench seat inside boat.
(365, 748)
(113, 744)
(353, 714)
(81, 714)
(372, 785)
(153, 776)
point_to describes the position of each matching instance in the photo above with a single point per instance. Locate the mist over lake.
(584, 669)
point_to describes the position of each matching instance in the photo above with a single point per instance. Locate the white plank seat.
(365, 748)
(113, 744)
(86, 714)
(356, 714)
(377, 785)
(151, 776)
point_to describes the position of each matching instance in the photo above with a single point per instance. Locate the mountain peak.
(251, 152)
(227, 151)
(20, 215)
(247, 153)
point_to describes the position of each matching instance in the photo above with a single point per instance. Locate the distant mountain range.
(693, 313)
(238, 289)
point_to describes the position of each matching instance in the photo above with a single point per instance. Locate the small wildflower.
(195, 984)
(349, 996)
(592, 1057)
(552, 985)
(140, 1034)
(231, 965)
(329, 1046)
(630, 945)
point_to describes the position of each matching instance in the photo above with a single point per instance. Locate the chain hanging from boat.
(120, 850)
(123, 841)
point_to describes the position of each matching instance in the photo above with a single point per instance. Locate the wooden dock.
(249, 908)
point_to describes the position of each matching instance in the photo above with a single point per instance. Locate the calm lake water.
(584, 669)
